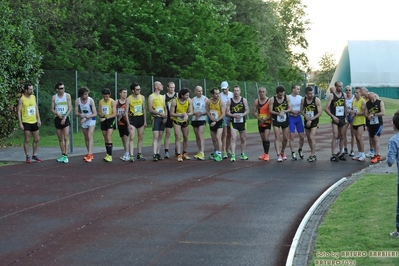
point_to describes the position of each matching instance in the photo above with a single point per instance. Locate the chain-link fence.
(96, 81)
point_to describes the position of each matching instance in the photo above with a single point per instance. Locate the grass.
(48, 137)
(360, 220)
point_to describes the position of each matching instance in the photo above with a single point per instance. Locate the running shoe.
(196, 155)
(370, 154)
(212, 156)
(179, 158)
(185, 156)
(342, 157)
(352, 153)
(300, 153)
(376, 159)
(28, 159)
(154, 158)
(125, 157)
(233, 158)
(356, 157)
(160, 158)
(140, 157)
(279, 158)
(283, 156)
(66, 159)
(218, 157)
(88, 158)
(166, 155)
(225, 155)
(312, 158)
(61, 159)
(131, 158)
(201, 156)
(243, 156)
(262, 157)
(293, 156)
(361, 158)
(37, 159)
(394, 234)
(267, 158)
(345, 151)
(108, 158)
(334, 158)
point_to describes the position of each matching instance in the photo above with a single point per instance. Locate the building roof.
(374, 63)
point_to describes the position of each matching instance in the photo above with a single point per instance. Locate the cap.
(224, 85)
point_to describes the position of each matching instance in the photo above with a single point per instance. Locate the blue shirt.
(393, 152)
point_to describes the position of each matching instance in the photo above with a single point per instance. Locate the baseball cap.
(224, 85)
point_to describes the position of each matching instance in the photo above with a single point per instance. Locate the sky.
(334, 22)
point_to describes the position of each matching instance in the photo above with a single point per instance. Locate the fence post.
(76, 91)
(116, 85)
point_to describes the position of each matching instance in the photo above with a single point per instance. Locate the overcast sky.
(334, 22)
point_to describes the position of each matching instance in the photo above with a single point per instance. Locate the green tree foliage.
(19, 62)
(327, 68)
(291, 14)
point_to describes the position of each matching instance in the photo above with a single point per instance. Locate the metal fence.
(96, 81)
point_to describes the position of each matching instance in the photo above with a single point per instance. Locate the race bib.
(180, 117)
(105, 109)
(310, 113)
(355, 109)
(239, 120)
(214, 114)
(339, 111)
(374, 120)
(61, 109)
(282, 118)
(159, 110)
(31, 110)
(121, 111)
(138, 109)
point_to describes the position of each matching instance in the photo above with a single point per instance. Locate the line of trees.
(213, 39)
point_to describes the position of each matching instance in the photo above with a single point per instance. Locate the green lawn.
(49, 139)
(360, 220)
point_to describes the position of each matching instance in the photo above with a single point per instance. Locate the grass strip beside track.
(358, 223)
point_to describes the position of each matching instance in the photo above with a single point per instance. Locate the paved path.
(161, 213)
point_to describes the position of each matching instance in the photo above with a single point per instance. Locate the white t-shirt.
(295, 102)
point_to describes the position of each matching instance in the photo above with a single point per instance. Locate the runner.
(262, 113)
(198, 121)
(107, 113)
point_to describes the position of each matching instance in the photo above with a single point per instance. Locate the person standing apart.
(237, 109)
(262, 114)
(86, 110)
(198, 121)
(336, 109)
(157, 108)
(348, 103)
(311, 111)
(358, 118)
(107, 113)
(279, 106)
(295, 121)
(169, 97)
(180, 111)
(216, 110)
(375, 110)
(136, 118)
(29, 121)
(393, 155)
(122, 123)
(61, 107)
(226, 95)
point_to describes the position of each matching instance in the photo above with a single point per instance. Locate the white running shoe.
(370, 154)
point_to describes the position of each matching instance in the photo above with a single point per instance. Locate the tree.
(19, 61)
(327, 69)
(291, 14)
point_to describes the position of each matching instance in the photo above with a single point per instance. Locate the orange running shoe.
(375, 159)
(266, 157)
(262, 157)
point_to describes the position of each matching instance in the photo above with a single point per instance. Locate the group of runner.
(224, 111)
